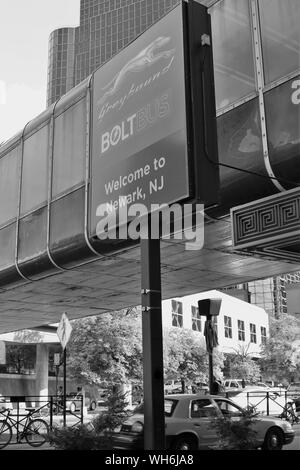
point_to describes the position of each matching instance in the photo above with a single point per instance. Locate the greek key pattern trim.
(266, 219)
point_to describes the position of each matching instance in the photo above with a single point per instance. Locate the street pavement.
(295, 445)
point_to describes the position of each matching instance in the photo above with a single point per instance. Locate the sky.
(25, 26)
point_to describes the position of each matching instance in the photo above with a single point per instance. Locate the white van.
(233, 383)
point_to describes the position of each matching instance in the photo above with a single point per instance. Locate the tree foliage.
(185, 356)
(20, 357)
(239, 364)
(106, 348)
(280, 355)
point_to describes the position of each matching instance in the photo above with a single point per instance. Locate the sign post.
(64, 332)
(154, 416)
(57, 363)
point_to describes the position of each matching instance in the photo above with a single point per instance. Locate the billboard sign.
(140, 150)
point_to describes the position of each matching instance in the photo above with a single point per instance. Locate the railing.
(271, 403)
(50, 408)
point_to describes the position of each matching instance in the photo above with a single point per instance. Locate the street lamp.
(210, 308)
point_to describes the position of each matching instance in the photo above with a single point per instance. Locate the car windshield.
(170, 405)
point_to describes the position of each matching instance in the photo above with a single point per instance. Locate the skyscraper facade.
(105, 27)
(61, 62)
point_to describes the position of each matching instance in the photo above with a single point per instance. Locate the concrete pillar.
(42, 358)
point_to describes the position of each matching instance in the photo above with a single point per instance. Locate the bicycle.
(289, 413)
(34, 430)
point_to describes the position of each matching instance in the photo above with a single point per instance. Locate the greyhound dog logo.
(145, 58)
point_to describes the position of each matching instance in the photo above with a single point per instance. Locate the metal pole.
(210, 371)
(210, 360)
(51, 412)
(65, 387)
(154, 419)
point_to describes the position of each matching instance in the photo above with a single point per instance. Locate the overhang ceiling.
(114, 283)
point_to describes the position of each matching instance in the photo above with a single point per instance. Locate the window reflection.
(280, 37)
(9, 186)
(232, 49)
(33, 235)
(34, 170)
(7, 246)
(69, 152)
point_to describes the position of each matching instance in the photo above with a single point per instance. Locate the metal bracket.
(147, 309)
(205, 40)
(150, 291)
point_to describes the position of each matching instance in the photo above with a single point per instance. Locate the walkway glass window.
(280, 33)
(9, 184)
(35, 170)
(69, 149)
(232, 50)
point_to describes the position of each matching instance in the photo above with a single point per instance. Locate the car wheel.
(93, 406)
(72, 407)
(273, 440)
(185, 443)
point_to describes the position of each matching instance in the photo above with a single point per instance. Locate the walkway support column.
(42, 358)
(154, 419)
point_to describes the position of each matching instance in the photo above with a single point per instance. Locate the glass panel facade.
(282, 106)
(280, 34)
(34, 189)
(69, 149)
(67, 227)
(240, 148)
(9, 186)
(232, 49)
(7, 245)
(33, 235)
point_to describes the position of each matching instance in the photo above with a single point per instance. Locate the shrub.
(236, 435)
(81, 437)
(107, 422)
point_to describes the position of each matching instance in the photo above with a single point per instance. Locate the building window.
(196, 319)
(241, 330)
(227, 327)
(263, 334)
(177, 315)
(252, 333)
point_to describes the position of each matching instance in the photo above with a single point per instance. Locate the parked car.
(172, 386)
(189, 424)
(74, 402)
(234, 384)
(263, 399)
